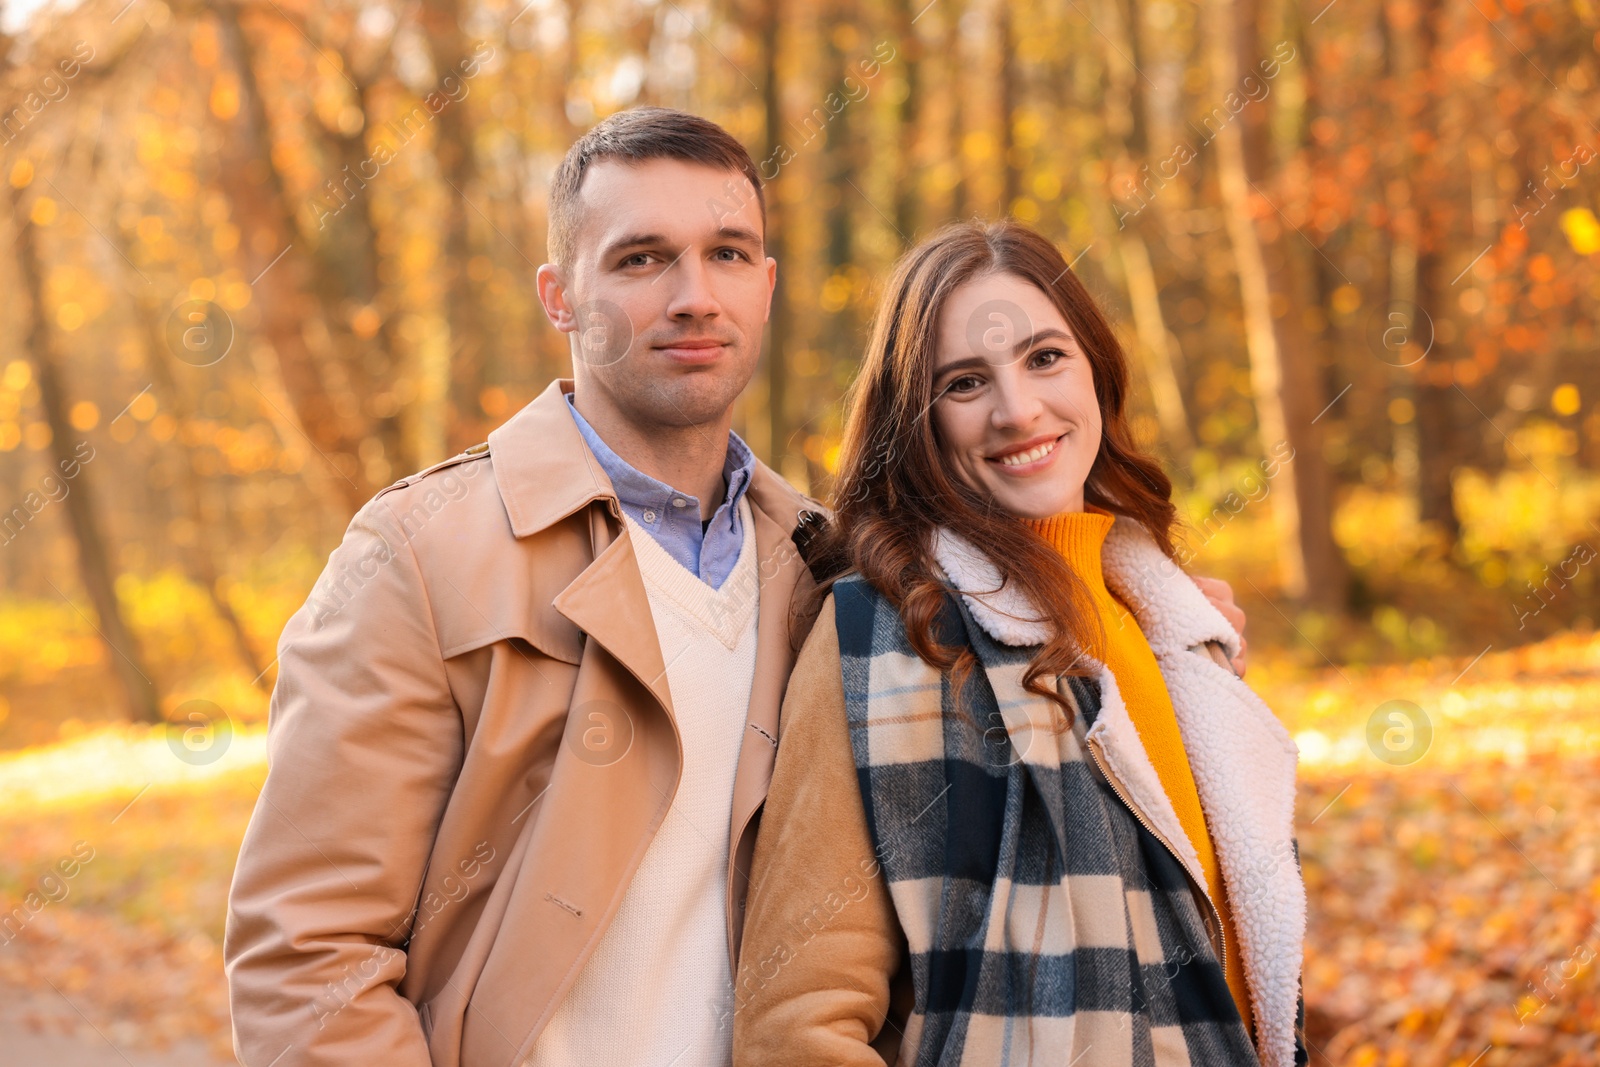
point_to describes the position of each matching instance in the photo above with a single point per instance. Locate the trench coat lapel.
(608, 602)
(546, 473)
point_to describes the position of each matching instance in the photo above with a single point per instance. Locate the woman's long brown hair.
(894, 486)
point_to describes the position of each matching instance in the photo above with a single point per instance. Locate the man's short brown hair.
(636, 135)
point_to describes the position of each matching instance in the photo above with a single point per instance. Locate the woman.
(1022, 811)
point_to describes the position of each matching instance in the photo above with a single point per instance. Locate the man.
(526, 720)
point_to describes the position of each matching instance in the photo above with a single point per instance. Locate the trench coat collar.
(543, 468)
(545, 472)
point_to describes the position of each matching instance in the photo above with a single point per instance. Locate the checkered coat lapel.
(1045, 925)
(1242, 758)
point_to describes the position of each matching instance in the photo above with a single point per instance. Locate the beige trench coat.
(471, 744)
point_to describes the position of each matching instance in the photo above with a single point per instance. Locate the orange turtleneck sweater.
(1078, 536)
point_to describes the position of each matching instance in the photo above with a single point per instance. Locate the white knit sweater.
(657, 989)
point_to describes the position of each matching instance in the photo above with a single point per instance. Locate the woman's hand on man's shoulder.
(1220, 593)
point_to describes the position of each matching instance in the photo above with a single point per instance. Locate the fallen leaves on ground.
(114, 880)
(1453, 901)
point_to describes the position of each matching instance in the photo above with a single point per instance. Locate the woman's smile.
(1028, 457)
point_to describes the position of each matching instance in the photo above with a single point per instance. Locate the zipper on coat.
(1116, 787)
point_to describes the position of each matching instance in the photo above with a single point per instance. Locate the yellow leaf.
(1582, 230)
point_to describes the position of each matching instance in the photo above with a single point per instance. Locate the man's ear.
(772, 284)
(552, 288)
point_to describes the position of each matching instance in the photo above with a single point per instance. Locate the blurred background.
(263, 258)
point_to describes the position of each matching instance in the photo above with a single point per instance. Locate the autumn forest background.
(264, 257)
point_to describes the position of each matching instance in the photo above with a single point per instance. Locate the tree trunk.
(1157, 344)
(568, 72)
(908, 209)
(1400, 334)
(840, 170)
(345, 262)
(94, 562)
(1006, 105)
(1286, 390)
(955, 69)
(1400, 260)
(199, 561)
(778, 333)
(471, 346)
(285, 286)
(1125, 151)
(1438, 436)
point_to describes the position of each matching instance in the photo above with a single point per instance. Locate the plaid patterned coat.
(1037, 870)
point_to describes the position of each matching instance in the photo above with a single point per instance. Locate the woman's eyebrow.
(1049, 333)
(961, 364)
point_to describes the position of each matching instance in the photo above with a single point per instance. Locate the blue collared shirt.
(673, 517)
